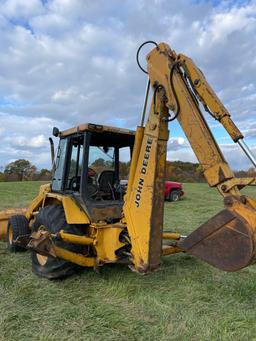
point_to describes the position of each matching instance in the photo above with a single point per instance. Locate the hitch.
(39, 241)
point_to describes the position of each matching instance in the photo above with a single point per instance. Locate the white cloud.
(20, 142)
(17, 9)
(63, 95)
(25, 137)
(221, 25)
(177, 143)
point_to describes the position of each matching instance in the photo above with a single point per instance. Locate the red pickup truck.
(173, 191)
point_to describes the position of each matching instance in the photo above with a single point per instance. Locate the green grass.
(184, 300)
(18, 194)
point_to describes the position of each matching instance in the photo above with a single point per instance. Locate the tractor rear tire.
(53, 219)
(17, 226)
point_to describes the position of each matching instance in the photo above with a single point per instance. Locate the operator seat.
(106, 182)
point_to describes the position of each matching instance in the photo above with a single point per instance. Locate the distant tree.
(246, 174)
(110, 164)
(21, 168)
(199, 173)
(72, 168)
(124, 168)
(45, 174)
(2, 177)
(184, 171)
(98, 165)
(251, 172)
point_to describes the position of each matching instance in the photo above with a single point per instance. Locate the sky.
(66, 62)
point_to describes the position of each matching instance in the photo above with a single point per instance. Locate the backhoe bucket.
(4, 217)
(227, 241)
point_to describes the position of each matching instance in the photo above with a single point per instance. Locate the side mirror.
(55, 132)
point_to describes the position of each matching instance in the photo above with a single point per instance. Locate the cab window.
(59, 169)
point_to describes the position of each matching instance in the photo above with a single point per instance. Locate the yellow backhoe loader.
(86, 218)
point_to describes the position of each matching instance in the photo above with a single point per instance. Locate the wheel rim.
(41, 259)
(10, 235)
(175, 197)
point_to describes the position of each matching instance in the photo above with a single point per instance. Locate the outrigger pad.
(226, 241)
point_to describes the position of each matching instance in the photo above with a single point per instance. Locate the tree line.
(23, 170)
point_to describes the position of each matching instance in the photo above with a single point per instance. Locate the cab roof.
(95, 128)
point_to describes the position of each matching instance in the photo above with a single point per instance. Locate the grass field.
(184, 300)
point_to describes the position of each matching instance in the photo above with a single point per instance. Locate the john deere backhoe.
(85, 217)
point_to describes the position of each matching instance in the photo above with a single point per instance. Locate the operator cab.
(91, 162)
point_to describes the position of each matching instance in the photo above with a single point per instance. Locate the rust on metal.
(225, 241)
(169, 250)
(222, 176)
(106, 213)
(42, 243)
(156, 219)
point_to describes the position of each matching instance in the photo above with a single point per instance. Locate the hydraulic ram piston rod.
(145, 103)
(247, 151)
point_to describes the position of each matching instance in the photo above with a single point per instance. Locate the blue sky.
(64, 62)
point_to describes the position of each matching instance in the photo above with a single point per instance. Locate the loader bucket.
(227, 241)
(4, 217)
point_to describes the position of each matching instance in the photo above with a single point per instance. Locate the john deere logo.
(143, 171)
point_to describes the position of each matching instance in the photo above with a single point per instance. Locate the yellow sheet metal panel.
(74, 214)
(108, 243)
(37, 202)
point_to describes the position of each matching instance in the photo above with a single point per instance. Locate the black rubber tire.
(17, 226)
(174, 195)
(53, 219)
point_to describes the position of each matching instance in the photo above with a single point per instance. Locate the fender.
(73, 213)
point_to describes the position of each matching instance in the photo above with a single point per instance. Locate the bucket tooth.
(226, 241)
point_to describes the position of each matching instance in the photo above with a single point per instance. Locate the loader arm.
(226, 241)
